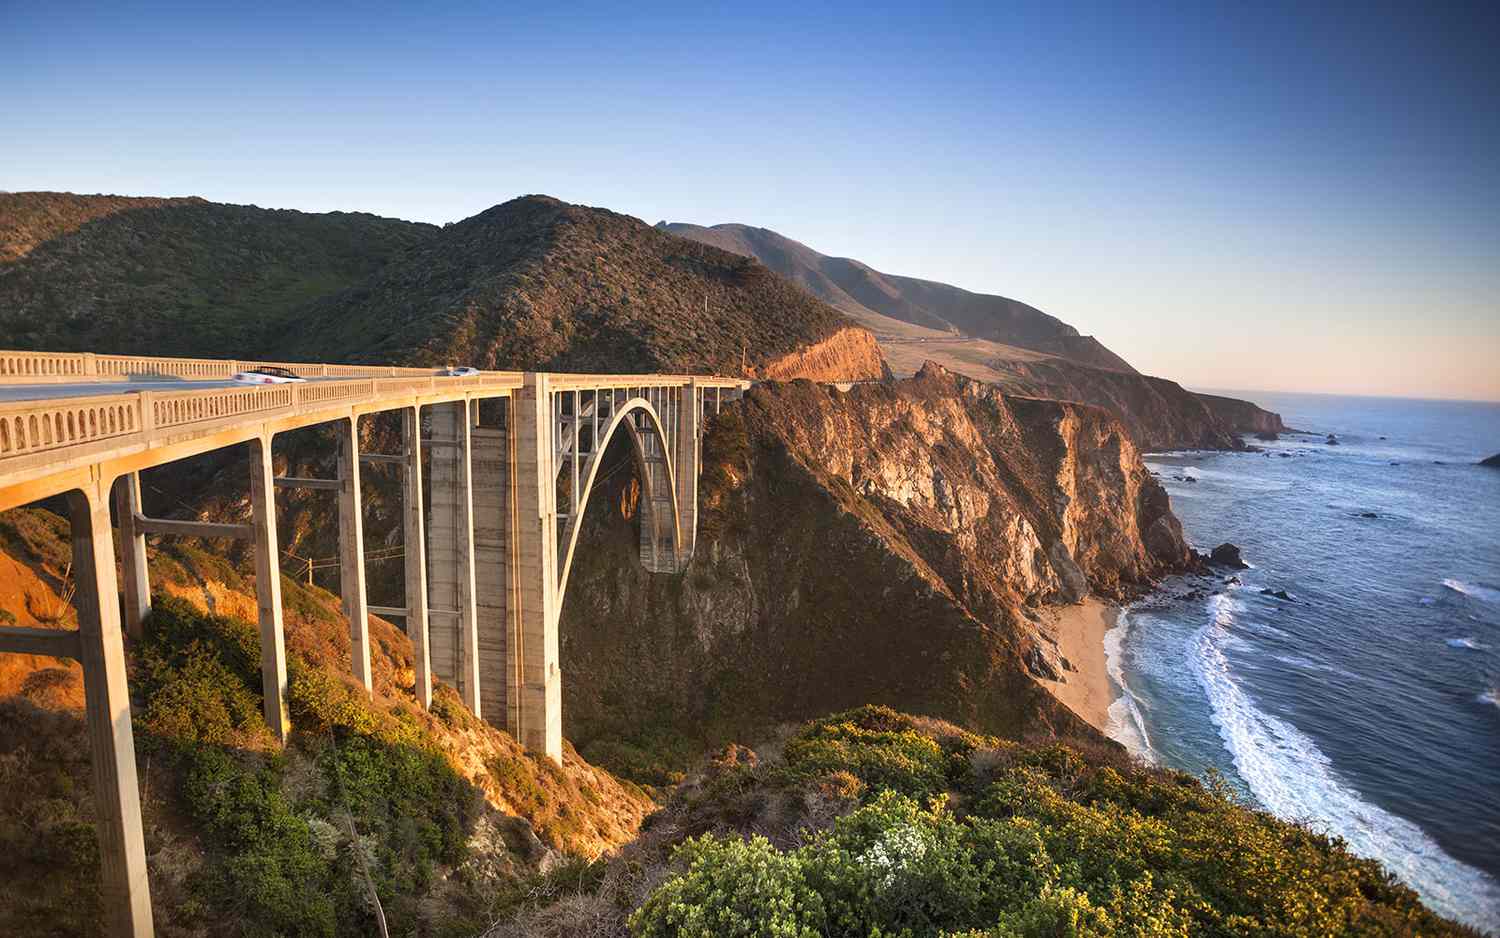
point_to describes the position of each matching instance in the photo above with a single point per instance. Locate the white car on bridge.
(267, 374)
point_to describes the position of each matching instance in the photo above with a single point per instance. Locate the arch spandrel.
(622, 414)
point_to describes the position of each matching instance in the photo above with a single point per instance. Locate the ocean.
(1368, 703)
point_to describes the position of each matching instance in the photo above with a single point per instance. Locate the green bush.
(201, 676)
(733, 888)
(1039, 841)
(877, 745)
(281, 860)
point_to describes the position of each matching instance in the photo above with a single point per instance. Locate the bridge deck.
(65, 419)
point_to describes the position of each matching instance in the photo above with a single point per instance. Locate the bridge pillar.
(687, 453)
(268, 586)
(534, 560)
(126, 891)
(450, 552)
(127, 494)
(352, 551)
(415, 555)
(491, 479)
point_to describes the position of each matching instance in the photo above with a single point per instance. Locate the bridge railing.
(84, 367)
(35, 426)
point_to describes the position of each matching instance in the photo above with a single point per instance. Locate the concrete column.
(352, 552)
(534, 556)
(416, 555)
(117, 803)
(686, 455)
(127, 493)
(450, 553)
(490, 476)
(268, 586)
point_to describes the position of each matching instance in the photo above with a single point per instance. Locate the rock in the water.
(1267, 436)
(1332, 440)
(1227, 555)
(1493, 462)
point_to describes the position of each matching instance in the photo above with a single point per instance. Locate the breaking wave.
(1486, 594)
(1289, 775)
(1127, 726)
(1466, 643)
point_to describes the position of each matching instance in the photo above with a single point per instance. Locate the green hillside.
(175, 276)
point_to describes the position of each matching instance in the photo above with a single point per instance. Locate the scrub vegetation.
(873, 822)
(438, 817)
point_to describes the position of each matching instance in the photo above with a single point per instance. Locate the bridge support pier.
(117, 803)
(416, 555)
(127, 495)
(490, 477)
(686, 450)
(450, 552)
(268, 586)
(352, 551)
(534, 561)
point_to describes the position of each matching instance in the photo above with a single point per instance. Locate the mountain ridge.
(537, 283)
(884, 302)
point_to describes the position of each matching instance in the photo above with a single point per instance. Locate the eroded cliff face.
(1157, 413)
(850, 354)
(890, 544)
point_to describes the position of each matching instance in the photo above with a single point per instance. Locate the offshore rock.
(1227, 555)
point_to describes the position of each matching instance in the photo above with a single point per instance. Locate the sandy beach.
(1079, 632)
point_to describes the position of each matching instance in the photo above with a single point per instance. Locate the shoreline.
(1078, 632)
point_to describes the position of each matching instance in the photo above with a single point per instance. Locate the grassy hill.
(533, 283)
(538, 283)
(175, 276)
(904, 307)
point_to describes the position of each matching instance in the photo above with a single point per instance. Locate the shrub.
(874, 744)
(281, 859)
(1046, 843)
(732, 889)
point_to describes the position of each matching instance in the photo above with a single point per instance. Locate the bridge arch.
(643, 424)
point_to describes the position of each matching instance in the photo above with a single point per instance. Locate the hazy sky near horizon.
(1258, 196)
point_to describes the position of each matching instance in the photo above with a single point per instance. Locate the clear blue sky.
(1259, 196)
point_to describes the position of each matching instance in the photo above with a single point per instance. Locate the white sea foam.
(1127, 726)
(1307, 664)
(1293, 779)
(1473, 590)
(1491, 696)
(1467, 643)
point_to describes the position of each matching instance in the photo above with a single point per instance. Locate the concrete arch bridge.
(490, 534)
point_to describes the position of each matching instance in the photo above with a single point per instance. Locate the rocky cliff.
(1242, 416)
(1158, 413)
(891, 543)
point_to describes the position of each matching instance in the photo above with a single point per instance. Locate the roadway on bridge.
(42, 392)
